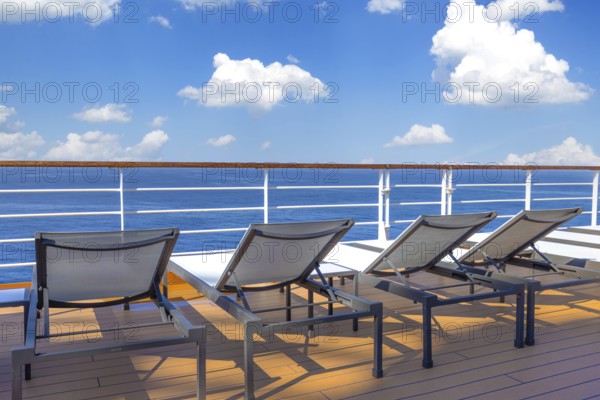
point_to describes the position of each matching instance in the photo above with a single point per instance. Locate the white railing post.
(449, 191)
(380, 202)
(444, 193)
(595, 199)
(121, 202)
(383, 205)
(528, 184)
(266, 196)
(388, 189)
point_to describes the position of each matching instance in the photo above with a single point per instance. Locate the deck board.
(470, 362)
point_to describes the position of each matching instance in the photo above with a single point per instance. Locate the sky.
(352, 81)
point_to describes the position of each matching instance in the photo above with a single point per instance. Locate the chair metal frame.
(250, 319)
(501, 286)
(517, 257)
(40, 300)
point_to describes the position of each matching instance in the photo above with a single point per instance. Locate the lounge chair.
(421, 247)
(99, 269)
(514, 244)
(272, 256)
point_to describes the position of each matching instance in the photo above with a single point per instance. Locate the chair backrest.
(428, 240)
(517, 234)
(120, 265)
(281, 253)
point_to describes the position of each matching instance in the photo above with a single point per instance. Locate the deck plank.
(469, 361)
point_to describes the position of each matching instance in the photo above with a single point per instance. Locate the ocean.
(42, 178)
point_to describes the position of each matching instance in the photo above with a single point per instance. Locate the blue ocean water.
(280, 180)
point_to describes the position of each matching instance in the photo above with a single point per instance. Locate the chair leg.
(26, 314)
(201, 371)
(248, 364)
(330, 305)
(16, 378)
(427, 345)
(288, 303)
(378, 342)
(530, 318)
(520, 316)
(311, 314)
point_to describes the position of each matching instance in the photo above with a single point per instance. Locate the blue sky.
(506, 81)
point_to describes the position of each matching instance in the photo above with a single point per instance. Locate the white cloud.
(369, 160)
(16, 145)
(266, 145)
(419, 134)
(100, 146)
(193, 4)
(108, 113)
(19, 146)
(151, 143)
(91, 11)
(162, 21)
(251, 84)
(158, 121)
(5, 113)
(487, 60)
(569, 152)
(385, 6)
(292, 59)
(519, 9)
(221, 141)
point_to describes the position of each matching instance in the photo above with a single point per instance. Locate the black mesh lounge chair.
(421, 247)
(272, 256)
(99, 269)
(514, 245)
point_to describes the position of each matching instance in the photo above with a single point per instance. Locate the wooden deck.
(473, 354)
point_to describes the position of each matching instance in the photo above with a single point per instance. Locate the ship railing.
(379, 193)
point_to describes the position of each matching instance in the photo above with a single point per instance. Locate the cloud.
(519, 10)
(162, 21)
(191, 5)
(19, 146)
(100, 146)
(292, 59)
(419, 134)
(108, 113)
(266, 145)
(485, 59)
(16, 145)
(569, 152)
(151, 143)
(221, 141)
(93, 12)
(5, 113)
(384, 6)
(158, 121)
(251, 84)
(369, 160)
